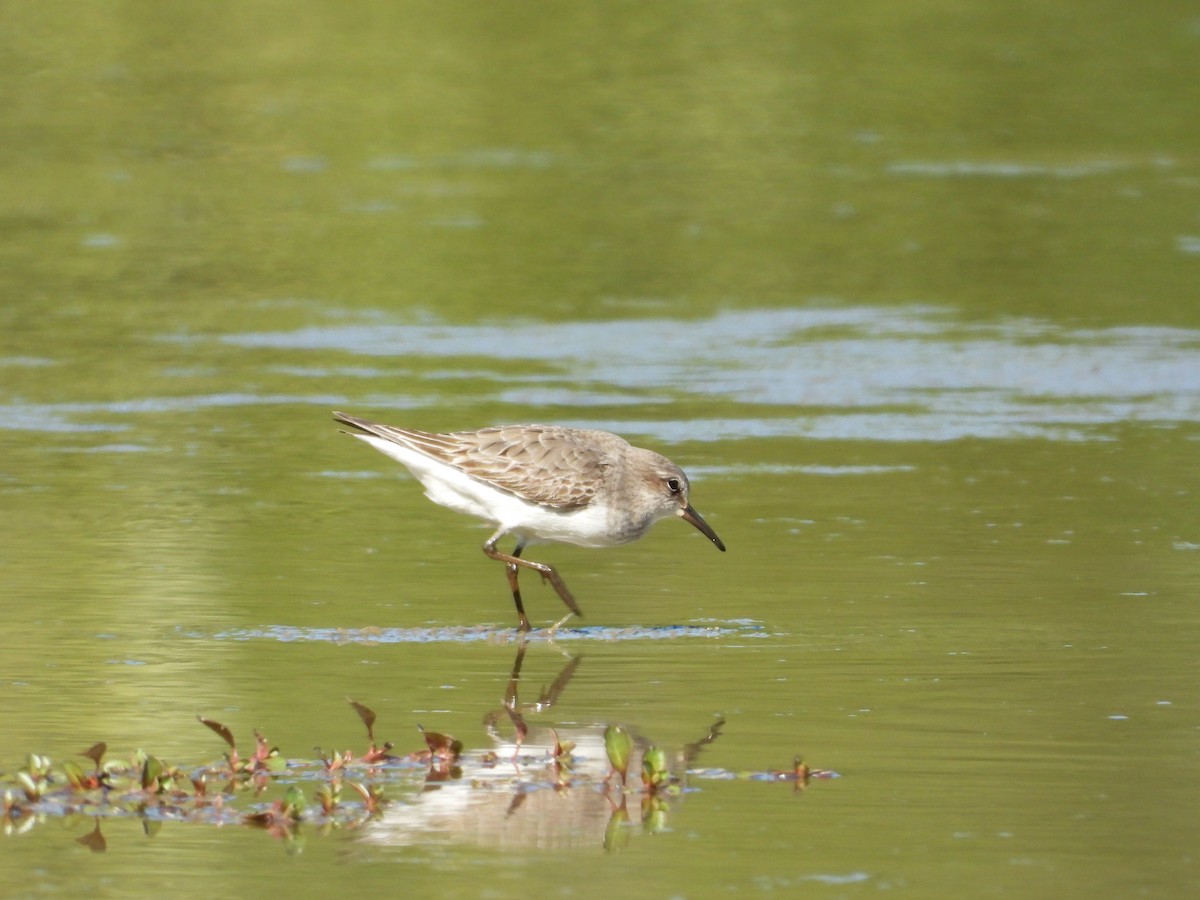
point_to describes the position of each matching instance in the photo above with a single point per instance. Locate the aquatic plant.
(266, 790)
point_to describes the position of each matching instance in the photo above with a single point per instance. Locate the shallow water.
(911, 295)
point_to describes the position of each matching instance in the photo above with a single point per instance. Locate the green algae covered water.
(910, 295)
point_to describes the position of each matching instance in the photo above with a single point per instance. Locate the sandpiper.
(541, 483)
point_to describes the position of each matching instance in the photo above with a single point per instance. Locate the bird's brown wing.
(559, 467)
(548, 464)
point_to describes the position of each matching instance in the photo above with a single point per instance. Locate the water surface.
(910, 294)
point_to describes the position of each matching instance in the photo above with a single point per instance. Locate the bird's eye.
(673, 485)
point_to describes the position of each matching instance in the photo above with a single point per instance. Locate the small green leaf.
(276, 763)
(619, 745)
(75, 774)
(654, 815)
(151, 773)
(327, 796)
(654, 767)
(617, 832)
(30, 785)
(293, 802)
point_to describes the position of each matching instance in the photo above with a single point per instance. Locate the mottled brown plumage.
(559, 467)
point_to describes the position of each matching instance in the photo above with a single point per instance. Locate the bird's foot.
(554, 628)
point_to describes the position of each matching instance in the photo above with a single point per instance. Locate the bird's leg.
(512, 571)
(514, 560)
(511, 705)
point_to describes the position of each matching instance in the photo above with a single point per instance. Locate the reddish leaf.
(263, 751)
(367, 715)
(440, 745)
(334, 761)
(378, 754)
(265, 819)
(370, 796)
(94, 840)
(561, 752)
(95, 752)
(800, 772)
(223, 731)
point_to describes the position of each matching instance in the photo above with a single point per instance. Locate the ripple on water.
(491, 634)
(846, 373)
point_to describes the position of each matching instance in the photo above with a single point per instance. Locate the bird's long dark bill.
(690, 515)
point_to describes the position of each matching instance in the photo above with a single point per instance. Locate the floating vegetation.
(436, 792)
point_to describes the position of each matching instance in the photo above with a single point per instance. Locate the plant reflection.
(549, 787)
